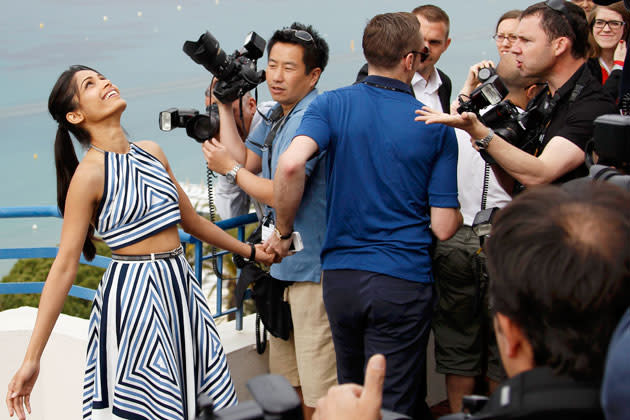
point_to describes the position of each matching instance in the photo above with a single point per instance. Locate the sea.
(138, 45)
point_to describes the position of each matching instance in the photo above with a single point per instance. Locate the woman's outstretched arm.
(80, 205)
(201, 227)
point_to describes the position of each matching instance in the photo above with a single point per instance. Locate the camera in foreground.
(274, 399)
(611, 144)
(236, 73)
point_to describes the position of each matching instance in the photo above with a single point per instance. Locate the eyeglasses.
(424, 54)
(560, 7)
(612, 24)
(502, 37)
(299, 34)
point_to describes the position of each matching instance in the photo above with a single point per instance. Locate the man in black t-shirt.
(551, 45)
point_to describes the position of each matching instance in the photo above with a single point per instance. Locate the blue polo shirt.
(310, 219)
(384, 172)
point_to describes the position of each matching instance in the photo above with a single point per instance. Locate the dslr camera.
(488, 102)
(236, 75)
(521, 129)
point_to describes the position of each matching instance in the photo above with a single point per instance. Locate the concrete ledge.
(58, 391)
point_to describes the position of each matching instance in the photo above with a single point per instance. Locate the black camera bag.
(268, 294)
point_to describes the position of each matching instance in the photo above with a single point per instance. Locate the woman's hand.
(264, 257)
(620, 51)
(20, 387)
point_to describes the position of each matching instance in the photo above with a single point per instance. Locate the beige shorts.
(307, 359)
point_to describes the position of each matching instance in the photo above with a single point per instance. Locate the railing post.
(239, 309)
(199, 260)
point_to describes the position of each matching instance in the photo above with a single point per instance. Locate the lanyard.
(392, 88)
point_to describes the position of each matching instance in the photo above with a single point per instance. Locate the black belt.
(150, 257)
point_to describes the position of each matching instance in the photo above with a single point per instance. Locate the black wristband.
(252, 256)
(283, 237)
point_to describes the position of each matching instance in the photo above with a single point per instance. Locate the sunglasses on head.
(299, 34)
(560, 7)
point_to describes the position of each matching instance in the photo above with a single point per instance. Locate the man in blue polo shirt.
(389, 183)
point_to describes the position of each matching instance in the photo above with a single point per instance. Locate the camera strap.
(277, 120)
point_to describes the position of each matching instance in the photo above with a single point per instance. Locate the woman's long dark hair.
(62, 100)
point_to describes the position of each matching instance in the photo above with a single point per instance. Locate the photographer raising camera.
(552, 45)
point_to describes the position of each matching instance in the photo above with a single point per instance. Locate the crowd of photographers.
(392, 186)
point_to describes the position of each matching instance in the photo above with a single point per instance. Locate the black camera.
(611, 143)
(274, 399)
(200, 127)
(236, 73)
(521, 129)
(487, 102)
(490, 92)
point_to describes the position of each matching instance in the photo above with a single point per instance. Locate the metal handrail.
(100, 261)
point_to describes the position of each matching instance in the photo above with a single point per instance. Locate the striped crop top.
(139, 198)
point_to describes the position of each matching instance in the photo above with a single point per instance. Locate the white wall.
(57, 393)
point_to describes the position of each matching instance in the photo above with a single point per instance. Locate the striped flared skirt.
(153, 347)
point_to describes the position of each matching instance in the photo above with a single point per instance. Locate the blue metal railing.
(99, 261)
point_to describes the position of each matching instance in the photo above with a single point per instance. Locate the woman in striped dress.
(153, 347)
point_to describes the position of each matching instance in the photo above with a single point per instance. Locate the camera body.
(200, 127)
(611, 143)
(236, 73)
(490, 92)
(521, 129)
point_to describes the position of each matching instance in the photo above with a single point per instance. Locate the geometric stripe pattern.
(153, 346)
(139, 198)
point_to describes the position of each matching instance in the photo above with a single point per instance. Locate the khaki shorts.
(463, 332)
(307, 359)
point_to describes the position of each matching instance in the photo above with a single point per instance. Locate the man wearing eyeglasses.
(296, 58)
(390, 182)
(552, 45)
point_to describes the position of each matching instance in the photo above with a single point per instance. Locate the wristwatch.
(231, 176)
(281, 236)
(483, 143)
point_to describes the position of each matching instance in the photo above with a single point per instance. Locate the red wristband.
(619, 63)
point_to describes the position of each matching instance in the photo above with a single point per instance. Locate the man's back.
(384, 172)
